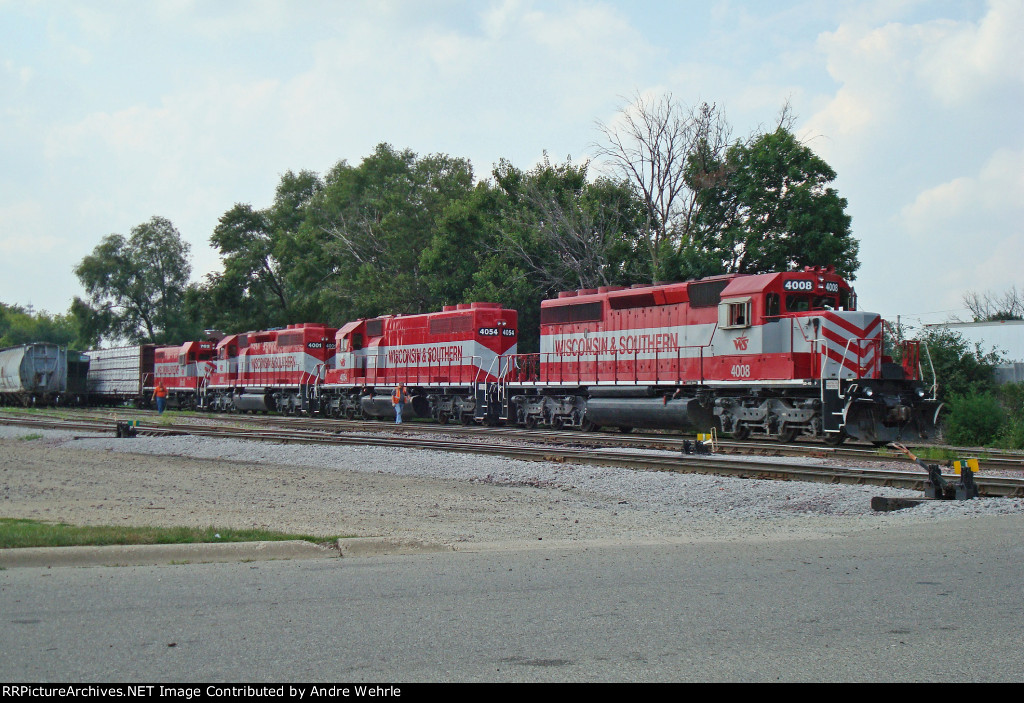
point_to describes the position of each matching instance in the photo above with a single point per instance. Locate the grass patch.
(937, 455)
(15, 533)
(30, 437)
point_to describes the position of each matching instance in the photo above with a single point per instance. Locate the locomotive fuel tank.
(680, 413)
(379, 406)
(622, 392)
(258, 402)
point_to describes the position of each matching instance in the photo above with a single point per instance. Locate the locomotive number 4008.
(799, 285)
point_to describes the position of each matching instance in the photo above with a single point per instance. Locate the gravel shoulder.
(465, 501)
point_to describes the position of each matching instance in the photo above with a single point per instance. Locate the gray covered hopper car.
(33, 374)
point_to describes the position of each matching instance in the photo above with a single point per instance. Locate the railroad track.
(990, 460)
(651, 461)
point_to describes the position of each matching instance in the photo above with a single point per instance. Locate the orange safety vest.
(160, 391)
(398, 396)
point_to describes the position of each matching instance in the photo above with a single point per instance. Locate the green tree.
(557, 231)
(768, 206)
(136, 285)
(961, 370)
(973, 420)
(1011, 397)
(464, 240)
(365, 233)
(652, 145)
(19, 325)
(711, 206)
(258, 250)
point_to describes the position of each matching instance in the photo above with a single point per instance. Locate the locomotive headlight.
(920, 393)
(868, 392)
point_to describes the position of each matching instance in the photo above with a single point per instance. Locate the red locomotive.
(781, 355)
(271, 370)
(183, 370)
(443, 358)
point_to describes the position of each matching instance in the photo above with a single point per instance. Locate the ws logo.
(741, 343)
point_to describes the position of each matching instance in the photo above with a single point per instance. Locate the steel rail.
(680, 463)
(988, 459)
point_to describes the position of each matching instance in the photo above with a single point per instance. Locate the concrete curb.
(380, 546)
(156, 554)
(151, 554)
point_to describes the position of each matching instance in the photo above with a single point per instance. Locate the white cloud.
(888, 72)
(973, 205)
(24, 231)
(960, 60)
(23, 74)
(967, 231)
(923, 128)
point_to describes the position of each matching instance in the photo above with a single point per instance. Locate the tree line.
(405, 233)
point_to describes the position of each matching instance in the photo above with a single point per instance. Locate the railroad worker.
(160, 396)
(398, 399)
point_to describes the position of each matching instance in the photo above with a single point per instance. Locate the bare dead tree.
(573, 251)
(992, 306)
(358, 237)
(658, 144)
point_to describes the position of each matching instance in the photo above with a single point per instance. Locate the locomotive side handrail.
(551, 367)
(935, 378)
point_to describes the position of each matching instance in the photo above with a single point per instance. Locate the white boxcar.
(122, 373)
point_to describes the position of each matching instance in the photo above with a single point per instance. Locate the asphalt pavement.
(905, 603)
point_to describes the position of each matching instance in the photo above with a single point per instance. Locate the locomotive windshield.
(800, 296)
(804, 303)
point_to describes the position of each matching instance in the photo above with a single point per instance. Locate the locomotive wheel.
(531, 422)
(467, 419)
(442, 418)
(625, 429)
(834, 439)
(589, 426)
(788, 435)
(741, 433)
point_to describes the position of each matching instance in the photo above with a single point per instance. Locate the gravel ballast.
(459, 499)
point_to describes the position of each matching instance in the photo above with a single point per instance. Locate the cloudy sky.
(112, 111)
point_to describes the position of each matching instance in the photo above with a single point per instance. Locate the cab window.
(739, 314)
(797, 303)
(734, 313)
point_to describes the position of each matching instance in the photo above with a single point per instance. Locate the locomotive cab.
(351, 359)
